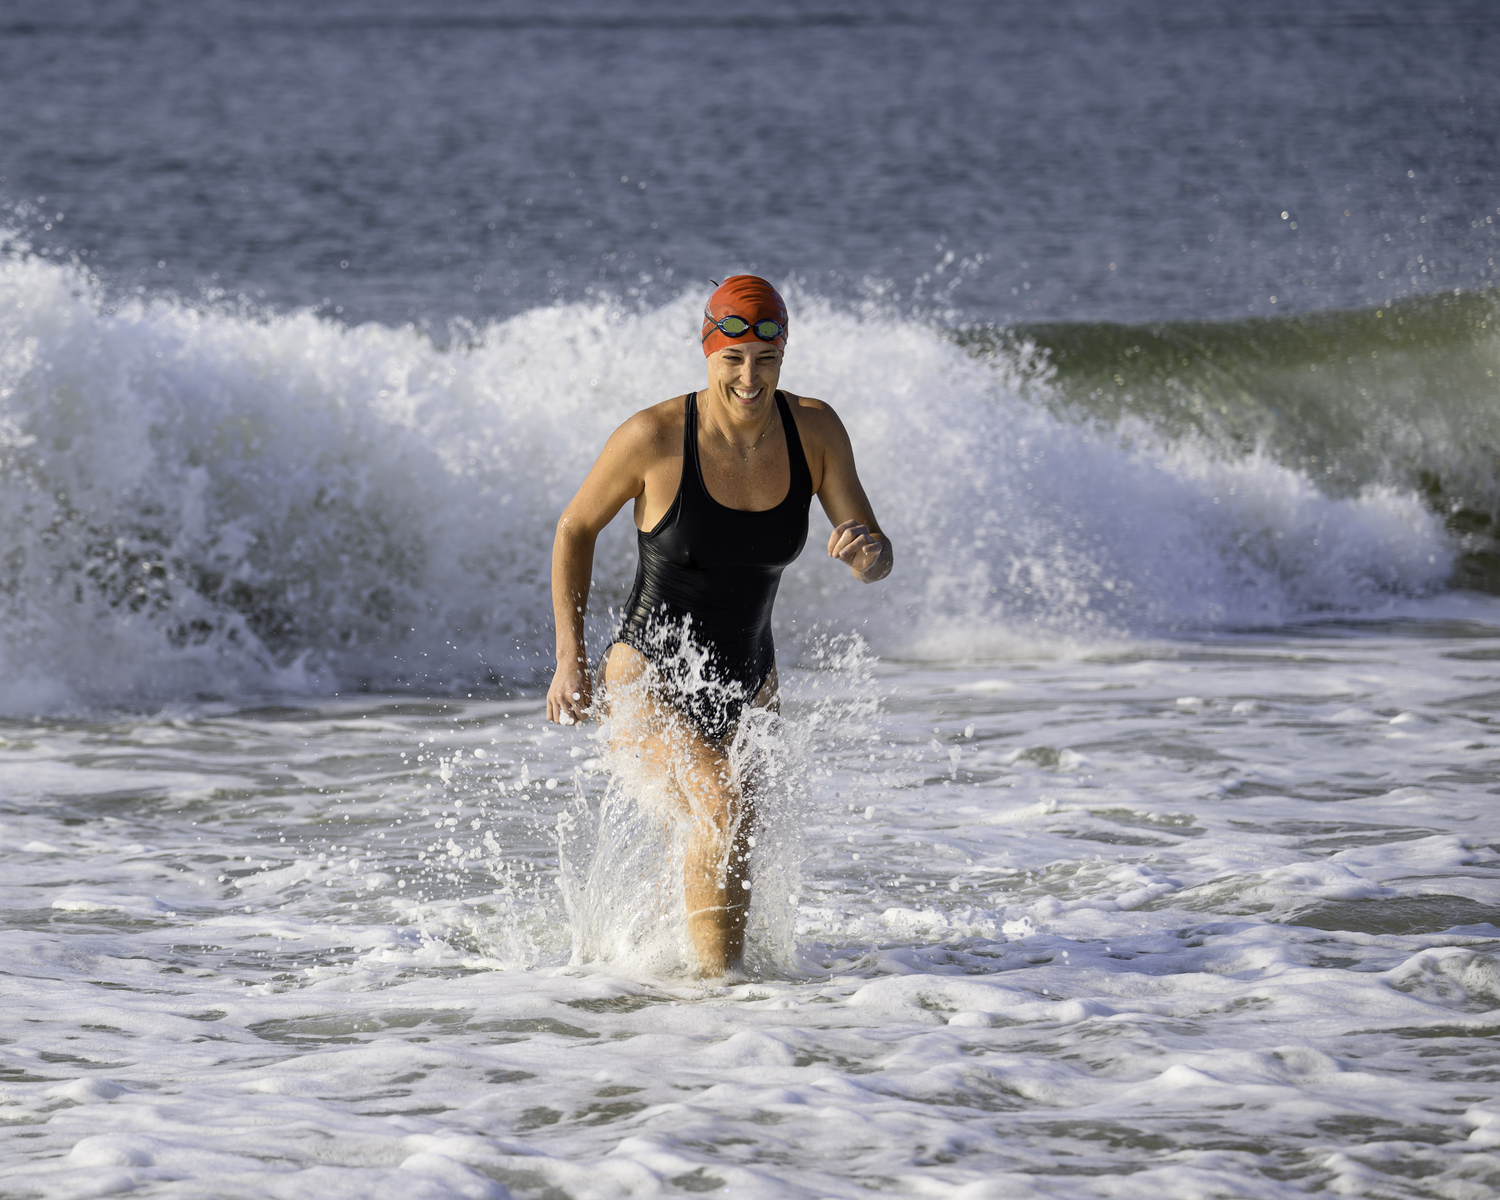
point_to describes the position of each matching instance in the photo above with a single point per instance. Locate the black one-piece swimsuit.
(711, 572)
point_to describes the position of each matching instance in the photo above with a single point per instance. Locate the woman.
(721, 482)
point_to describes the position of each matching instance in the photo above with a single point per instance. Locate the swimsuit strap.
(800, 485)
(692, 466)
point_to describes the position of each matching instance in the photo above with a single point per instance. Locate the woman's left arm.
(857, 538)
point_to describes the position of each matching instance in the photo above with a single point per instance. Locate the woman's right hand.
(571, 694)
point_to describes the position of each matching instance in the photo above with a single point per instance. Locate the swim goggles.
(766, 331)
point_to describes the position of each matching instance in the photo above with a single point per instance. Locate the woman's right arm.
(571, 692)
(618, 475)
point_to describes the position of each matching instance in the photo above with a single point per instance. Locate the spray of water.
(626, 843)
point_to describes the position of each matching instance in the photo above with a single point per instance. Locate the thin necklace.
(745, 454)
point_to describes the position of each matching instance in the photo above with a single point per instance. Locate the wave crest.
(201, 502)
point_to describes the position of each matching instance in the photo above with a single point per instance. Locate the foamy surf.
(1173, 918)
(213, 502)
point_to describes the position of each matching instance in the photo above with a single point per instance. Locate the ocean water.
(1137, 837)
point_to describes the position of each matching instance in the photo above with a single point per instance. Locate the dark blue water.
(994, 161)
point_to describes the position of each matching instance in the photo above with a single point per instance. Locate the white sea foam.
(223, 502)
(1073, 938)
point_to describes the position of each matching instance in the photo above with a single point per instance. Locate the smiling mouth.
(746, 394)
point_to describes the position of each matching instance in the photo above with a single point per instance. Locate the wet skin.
(743, 454)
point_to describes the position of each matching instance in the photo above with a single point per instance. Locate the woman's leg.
(670, 748)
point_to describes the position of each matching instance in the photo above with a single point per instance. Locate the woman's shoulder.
(815, 418)
(809, 407)
(657, 429)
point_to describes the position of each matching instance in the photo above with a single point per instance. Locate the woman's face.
(744, 376)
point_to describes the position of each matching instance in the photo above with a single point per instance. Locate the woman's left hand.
(868, 555)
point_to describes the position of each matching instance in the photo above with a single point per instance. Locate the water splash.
(622, 845)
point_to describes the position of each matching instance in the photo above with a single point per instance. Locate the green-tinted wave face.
(1407, 394)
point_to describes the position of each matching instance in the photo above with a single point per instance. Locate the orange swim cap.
(750, 298)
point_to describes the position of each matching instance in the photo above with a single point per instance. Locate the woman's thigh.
(649, 732)
(646, 724)
(625, 672)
